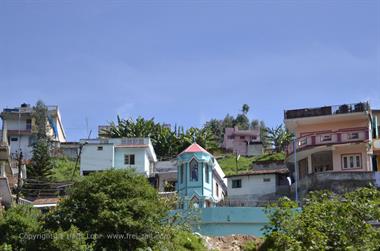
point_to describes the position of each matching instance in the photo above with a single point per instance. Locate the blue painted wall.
(218, 221)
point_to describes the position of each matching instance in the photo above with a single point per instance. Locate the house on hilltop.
(102, 154)
(243, 142)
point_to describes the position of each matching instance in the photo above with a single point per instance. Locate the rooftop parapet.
(326, 110)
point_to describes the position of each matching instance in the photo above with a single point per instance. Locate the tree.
(279, 137)
(167, 143)
(215, 126)
(18, 226)
(326, 222)
(242, 122)
(245, 109)
(114, 202)
(41, 164)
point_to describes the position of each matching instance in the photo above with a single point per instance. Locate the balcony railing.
(121, 141)
(318, 139)
(326, 110)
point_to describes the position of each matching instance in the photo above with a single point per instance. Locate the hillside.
(228, 162)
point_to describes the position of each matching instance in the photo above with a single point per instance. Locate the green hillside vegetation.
(63, 170)
(228, 162)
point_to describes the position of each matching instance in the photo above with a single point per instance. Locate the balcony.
(330, 138)
(327, 110)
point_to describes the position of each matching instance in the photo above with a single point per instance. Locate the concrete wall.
(141, 160)
(219, 221)
(23, 143)
(331, 126)
(253, 185)
(93, 159)
(338, 182)
(15, 125)
(255, 150)
(352, 149)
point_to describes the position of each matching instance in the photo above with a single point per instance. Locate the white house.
(102, 154)
(253, 184)
(18, 127)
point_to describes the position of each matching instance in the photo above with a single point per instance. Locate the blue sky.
(185, 62)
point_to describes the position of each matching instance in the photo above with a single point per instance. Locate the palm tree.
(279, 137)
(245, 109)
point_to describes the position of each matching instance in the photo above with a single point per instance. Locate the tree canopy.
(326, 222)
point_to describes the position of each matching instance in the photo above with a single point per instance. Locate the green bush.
(326, 222)
(18, 226)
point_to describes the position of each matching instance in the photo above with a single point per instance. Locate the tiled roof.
(194, 148)
(258, 172)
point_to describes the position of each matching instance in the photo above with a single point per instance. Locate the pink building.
(243, 142)
(331, 139)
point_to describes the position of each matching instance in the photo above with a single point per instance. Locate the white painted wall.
(15, 125)
(253, 185)
(23, 144)
(94, 160)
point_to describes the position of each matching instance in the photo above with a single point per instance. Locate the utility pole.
(19, 177)
(237, 158)
(295, 167)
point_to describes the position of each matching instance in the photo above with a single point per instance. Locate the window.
(302, 142)
(325, 138)
(236, 183)
(194, 170)
(100, 148)
(351, 161)
(242, 137)
(129, 159)
(28, 124)
(32, 140)
(207, 173)
(266, 179)
(353, 135)
(230, 137)
(217, 189)
(181, 170)
(14, 139)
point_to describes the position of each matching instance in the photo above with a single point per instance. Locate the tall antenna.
(86, 125)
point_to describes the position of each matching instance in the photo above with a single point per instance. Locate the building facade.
(102, 154)
(243, 142)
(200, 180)
(376, 140)
(330, 139)
(18, 126)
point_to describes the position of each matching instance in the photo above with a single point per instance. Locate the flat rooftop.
(327, 110)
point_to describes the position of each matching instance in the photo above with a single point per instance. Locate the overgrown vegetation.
(110, 210)
(64, 170)
(326, 222)
(228, 162)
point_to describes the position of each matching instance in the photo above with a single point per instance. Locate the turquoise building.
(200, 180)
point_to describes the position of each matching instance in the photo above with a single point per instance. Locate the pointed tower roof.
(194, 148)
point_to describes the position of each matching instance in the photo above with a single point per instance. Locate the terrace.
(326, 110)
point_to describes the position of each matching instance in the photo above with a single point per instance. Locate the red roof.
(194, 148)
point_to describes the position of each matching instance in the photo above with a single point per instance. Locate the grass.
(228, 162)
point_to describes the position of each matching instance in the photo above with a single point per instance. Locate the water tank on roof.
(23, 105)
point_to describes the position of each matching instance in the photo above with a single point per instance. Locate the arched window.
(194, 202)
(194, 170)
